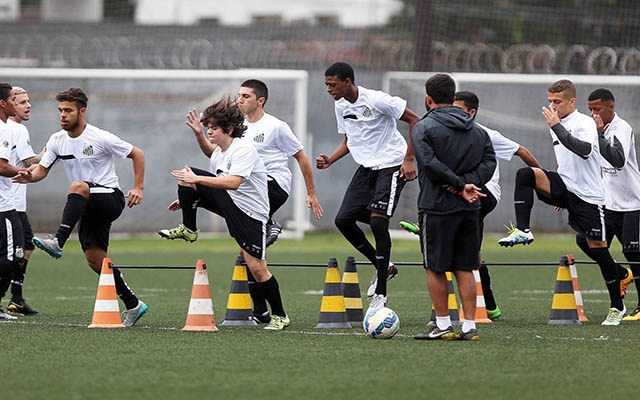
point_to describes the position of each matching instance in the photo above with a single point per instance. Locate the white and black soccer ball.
(381, 323)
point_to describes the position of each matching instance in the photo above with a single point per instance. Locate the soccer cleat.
(438, 334)
(277, 323)
(625, 282)
(614, 316)
(263, 318)
(516, 236)
(6, 316)
(180, 232)
(377, 301)
(472, 334)
(130, 317)
(21, 307)
(494, 314)
(634, 316)
(273, 230)
(392, 272)
(412, 227)
(49, 245)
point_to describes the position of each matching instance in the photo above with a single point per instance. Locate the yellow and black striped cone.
(451, 303)
(333, 313)
(351, 292)
(563, 307)
(239, 306)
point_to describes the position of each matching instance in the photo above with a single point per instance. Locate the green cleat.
(412, 227)
(277, 323)
(494, 314)
(180, 232)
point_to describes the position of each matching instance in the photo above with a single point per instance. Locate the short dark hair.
(469, 99)
(441, 88)
(342, 70)
(5, 91)
(74, 95)
(563, 85)
(258, 87)
(226, 114)
(602, 94)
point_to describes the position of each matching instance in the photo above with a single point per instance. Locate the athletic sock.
(271, 291)
(485, 281)
(380, 230)
(259, 302)
(443, 322)
(124, 291)
(609, 271)
(357, 238)
(523, 197)
(18, 281)
(468, 325)
(189, 204)
(73, 210)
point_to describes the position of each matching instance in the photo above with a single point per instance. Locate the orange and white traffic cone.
(577, 292)
(200, 316)
(106, 312)
(481, 308)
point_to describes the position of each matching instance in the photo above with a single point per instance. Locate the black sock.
(523, 196)
(380, 230)
(189, 204)
(257, 297)
(124, 291)
(487, 291)
(357, 238)
(18, 281)
(271, 291)
(73, 210)
(609, 270)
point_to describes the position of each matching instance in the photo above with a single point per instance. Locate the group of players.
(249, 180)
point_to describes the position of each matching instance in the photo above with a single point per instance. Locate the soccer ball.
(381, 323)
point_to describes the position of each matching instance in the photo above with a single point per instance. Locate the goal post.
(148, 107)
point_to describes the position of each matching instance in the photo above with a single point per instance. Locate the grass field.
(54, 356)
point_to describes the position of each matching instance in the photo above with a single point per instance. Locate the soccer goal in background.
(511, 104)
(148, 108)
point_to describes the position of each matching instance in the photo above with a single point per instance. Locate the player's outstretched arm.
(135, 194)
(193, 122)
(324, 161)
(307, 174)
(408, 168)
(527, 157)
(34, 173)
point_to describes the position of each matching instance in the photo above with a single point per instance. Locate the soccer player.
(455, 158)
(22, 156)
(577, 187)
(94, 197)
(235, 189)
(11, 237)
(622, 186)
(368, 120)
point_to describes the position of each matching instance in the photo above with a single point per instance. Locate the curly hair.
(74, 95)
(225, 114)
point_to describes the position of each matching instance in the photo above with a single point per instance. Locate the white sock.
(468, 325)
(443, 322)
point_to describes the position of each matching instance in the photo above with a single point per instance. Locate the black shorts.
(585, 218)
(249, 233)
(11, 236)
(371, 191)
(450, 242)
(277, 196)
(104, 206)
(26, 230)
(487, 204)
(626, 227)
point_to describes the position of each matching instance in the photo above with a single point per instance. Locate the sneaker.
(494, 314)
(49, 245)
(130, 317)
(377, 301)
(263, 318)
(438, 334)
(21, 307)
(392, 272)
(471, 335)
(6, 316)
(180, 232)
(625, 282)
(516, 236)
(634, 316)
(412, 227)
(277, 323)
(614, 317)
(273, 230)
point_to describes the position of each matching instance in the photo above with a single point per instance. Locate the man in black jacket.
(455, 157)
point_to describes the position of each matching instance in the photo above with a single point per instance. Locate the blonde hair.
(18, 90)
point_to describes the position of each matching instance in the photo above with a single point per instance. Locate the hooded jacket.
(450, 149)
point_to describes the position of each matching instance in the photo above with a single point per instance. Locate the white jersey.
(22, 150)
(582, 177)
(7, 201)
(622, 186)
(241, 158)
(275, 143)
(88, 157)
(505, 149)
(370, 125)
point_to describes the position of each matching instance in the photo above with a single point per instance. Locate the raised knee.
(79, 187)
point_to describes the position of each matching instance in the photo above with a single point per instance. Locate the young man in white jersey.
(622, 186)
(94, 197)
(235, 189)
(368, 120)
(22, 156)
(577, 187)
(11, 237)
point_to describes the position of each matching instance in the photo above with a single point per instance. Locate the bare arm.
(307, 173)
(135, 195)
(34, 173)
(324, 161)
(7, 169)
(408, 168)
(186, 175)
(33, 160)
(193, 122)
(527, 157)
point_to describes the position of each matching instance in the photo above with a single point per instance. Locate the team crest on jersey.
(229, 165)
(259, 138)
(5, 143)
(88, 150)
(366, 111)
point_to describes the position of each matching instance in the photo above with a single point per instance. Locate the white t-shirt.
(582, 177)
(22, 150)
(370, 124)
(505, 149)
(275, 143)
(88, 157)
(7, 201)
(241, 158)
(622, 186)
